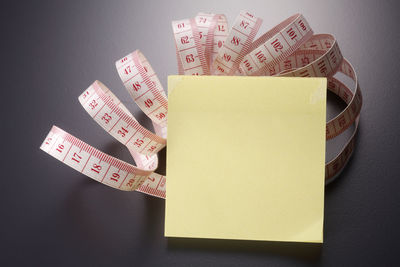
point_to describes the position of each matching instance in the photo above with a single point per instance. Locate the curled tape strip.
(197, 41)
(237, 44)
(115, 119)
(275, 45)
(204, 47)
(143, 85)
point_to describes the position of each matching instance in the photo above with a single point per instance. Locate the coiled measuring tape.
(204, 46)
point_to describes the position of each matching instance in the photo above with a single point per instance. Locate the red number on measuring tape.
(272, 71)
(123, 131)
(181, 25)
(221, 28)
(106, 118)
(305, 61)
(151, 149)
(277, 45)
(244, 24)
(302, 26)
(247, 65)
(96, 168)
(138, 142)
(288, 64)
(60, 148)
(328, 44)
(305, 73)
(292, 34)
(185, 39)
(93, 104)
(76, 157)
(115, 177)
(333, 57)
(250, 15)
(85, 94)
(136, 86)
(189, 58)
(261, 57)
(227, 57)
(322, 67)
(128, 70)
(160, 116)
(148, 103)
(130, 183)
(235, 40)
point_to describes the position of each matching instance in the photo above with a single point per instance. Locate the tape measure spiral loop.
(204, 46)
(276, 45)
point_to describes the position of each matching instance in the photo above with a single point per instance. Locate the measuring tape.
(204, 46)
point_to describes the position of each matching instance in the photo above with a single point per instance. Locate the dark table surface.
(53, 215)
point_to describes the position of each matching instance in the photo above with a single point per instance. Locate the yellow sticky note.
(245, 158)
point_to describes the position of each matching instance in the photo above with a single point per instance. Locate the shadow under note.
(303, 251)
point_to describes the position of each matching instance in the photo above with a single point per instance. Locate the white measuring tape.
(204, 46)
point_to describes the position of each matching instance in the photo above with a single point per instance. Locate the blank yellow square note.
(245, 158)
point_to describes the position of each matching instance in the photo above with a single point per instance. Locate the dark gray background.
(52, 215)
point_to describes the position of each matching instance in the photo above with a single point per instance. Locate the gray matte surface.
(52, 215)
